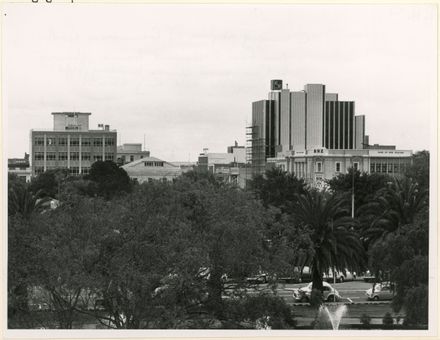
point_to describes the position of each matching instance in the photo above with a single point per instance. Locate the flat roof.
(65, 113)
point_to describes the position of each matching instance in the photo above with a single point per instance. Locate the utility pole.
(352, 190)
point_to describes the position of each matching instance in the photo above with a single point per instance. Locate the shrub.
(365, 319)
(388, 320)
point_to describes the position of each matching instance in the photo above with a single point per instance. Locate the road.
(352, 293)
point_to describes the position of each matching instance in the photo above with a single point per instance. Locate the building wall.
(316, 166)
(151, 169)
(74, 150)
(331, 97)
(71, 121)
(275, 97)
(263, 134)
(339, 129)
(130, 152)
(360, 131)
(314, 115)
(298, 120)
(285, 120)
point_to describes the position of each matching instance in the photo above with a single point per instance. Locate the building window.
(39, 141)
(384, 168)
(74, 170)
(396, 168)
(318, 166)
(62, 141)
(338, 166)
(39, 156)
(39, 170)
(390, 168)
(97, 158)
(131, 158)
(85, 141)
(85, 156)
(356, 165)
(97, 141)
(62, 156)
(109, 141)
(372, 167)
(74, 156)
(85, 171)
(74, 141)
(50, 141)
(51, 156)
(109, 157)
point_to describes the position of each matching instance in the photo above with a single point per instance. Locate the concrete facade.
(316, 166)
(70, 146)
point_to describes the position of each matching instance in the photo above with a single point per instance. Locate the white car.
(340, 276)
(382, 291)
(303, 294)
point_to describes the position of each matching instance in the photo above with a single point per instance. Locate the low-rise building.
(150, 168)
(130, 152)
(230, 167)
(317, 165)
(20, 167)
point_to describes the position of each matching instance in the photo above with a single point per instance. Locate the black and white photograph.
(219, 169)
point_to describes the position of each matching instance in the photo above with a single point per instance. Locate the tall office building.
(71, 144)
(262, 134)
(314, 135)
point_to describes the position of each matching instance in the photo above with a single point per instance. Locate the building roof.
(65, 113)
(147, 159)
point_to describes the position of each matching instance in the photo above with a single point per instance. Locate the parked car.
(340, 276)
(381, 291)
(303, 294)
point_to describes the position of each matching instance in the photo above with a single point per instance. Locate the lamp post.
(352, 192)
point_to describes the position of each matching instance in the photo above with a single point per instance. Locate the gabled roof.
(147, 159)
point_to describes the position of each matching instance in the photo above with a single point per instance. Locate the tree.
(278, 188)
(419, 169)
(365, 185)
(335, 243)
(67, 252)
(396, 205)
(228, 224)
(110, 178)
(49, 183)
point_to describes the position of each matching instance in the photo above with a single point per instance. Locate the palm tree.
(397, 205)
(335, 242)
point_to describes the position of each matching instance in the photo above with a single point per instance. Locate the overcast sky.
(185, 75)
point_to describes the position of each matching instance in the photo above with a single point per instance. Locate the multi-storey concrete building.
(316, 136)
(71, 144)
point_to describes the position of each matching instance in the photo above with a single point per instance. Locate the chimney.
(107, 128)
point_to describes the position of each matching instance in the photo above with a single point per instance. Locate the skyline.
(190, 87)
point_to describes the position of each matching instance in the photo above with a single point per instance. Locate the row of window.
(74, 156)
(150, 163)
(318, 166)
(74, 141)
(387, 167)
(72, 170)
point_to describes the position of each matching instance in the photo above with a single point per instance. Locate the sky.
(184, 76)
